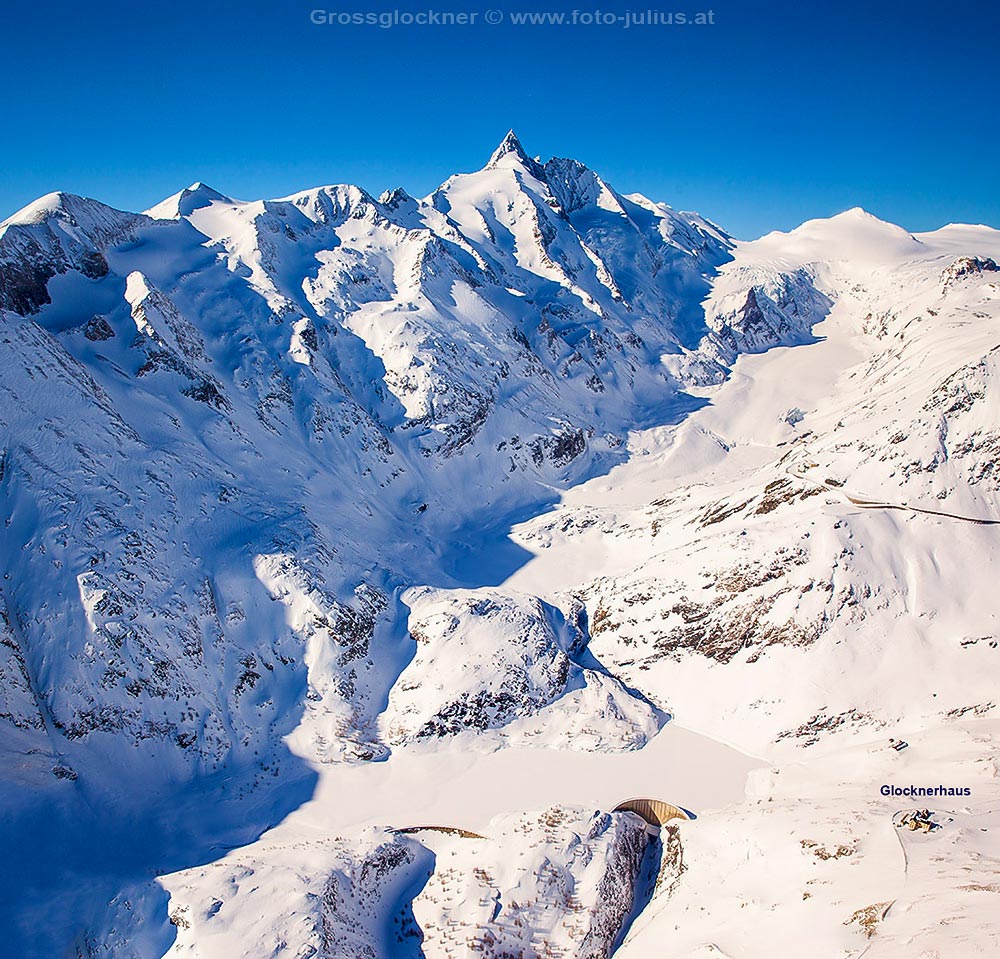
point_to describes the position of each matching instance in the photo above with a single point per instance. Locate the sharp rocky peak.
(510, 147)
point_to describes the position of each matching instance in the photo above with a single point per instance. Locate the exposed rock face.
(616, 890)
(969, 266)
(98, 329)
(57, 234)
(779, 309)
(486, 661)
(360, 912)
(18, 706)
(385, 896)
(570, 891)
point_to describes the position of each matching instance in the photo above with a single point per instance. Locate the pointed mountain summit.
(510, 147)
(72, 210)
(509, 144)
(191, 198)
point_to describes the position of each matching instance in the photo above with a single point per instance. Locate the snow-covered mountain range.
(333, 515)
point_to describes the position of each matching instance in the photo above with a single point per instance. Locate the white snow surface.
(332, 516)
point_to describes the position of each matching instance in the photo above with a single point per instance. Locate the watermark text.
(582, 17)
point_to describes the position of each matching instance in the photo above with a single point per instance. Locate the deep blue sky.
(777, 113)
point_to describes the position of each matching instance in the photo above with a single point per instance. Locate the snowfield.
(360, 555)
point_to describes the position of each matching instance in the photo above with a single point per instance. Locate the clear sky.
(775, 113)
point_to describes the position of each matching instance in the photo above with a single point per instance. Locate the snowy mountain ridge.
(299, 490)
(341, 339)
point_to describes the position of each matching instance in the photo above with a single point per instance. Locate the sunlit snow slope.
(330, 516)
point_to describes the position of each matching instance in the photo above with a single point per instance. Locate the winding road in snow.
(799, 473)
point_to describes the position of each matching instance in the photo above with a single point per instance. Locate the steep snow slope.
(323, 514)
